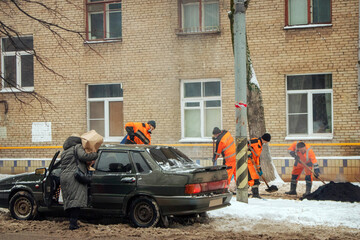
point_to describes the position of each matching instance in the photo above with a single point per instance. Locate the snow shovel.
(271, 188)
(312, 171)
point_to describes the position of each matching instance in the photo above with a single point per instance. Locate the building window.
(302, 12)
(17, 64)
(105, 110)
(199, 16)
(201, 108)
(104, 19)
(309, 105)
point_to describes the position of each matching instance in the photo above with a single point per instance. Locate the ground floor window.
(309, 105)
(105, 110)
(200, 108)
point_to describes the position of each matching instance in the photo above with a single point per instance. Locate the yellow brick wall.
(151, 60)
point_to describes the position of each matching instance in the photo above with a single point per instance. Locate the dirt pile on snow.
(343, 192)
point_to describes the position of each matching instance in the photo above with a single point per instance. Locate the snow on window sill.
(15, 90)
(102, 41)
(307, 26)
(182, 32)
(314, 137)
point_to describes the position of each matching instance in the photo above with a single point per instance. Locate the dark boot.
(74, 215)
(255, 192)
(308, 189)
(292, 189)
(73, 224)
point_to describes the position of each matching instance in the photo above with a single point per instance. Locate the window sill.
(15, 90)
(196, 140)
(102, 41)
(182, 33)
(308, 26)
(314, 137)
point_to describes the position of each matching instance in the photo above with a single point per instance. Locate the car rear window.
(171, 158)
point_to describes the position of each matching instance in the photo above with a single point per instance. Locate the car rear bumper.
(183, 205)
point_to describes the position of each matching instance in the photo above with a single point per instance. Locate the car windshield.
(170, 158)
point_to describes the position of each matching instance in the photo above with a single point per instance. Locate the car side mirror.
(40, 171)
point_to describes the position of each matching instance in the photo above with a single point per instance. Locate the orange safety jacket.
(225, 146)
(139, 132)
(307, 157)
(255, 146)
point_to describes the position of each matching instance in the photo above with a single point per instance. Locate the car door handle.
(128, 180)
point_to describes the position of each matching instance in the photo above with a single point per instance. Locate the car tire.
(22, 206)
(144, 212)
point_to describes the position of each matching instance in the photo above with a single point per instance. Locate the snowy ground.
(277, 216)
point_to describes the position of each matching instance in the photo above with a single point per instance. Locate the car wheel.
(23, 206)
(144, 212)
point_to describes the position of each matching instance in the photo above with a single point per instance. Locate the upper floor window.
(104, 19)
(199, 16)
(303, 12)
(200, 107)
(105, 110)
(17, 64)
(309, 106)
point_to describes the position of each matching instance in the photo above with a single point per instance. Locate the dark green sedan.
(146, 184)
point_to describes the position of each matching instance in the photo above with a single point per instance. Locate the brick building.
(172, 61)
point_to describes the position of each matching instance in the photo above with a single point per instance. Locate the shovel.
(271, 188)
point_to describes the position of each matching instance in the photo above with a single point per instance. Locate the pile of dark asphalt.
(342, 192)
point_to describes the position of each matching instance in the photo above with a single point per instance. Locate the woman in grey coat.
(74, 193)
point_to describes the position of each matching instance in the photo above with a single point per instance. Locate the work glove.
(293, 154)
(316, 170)
(250, 154)
(309, 164)
(260, 172)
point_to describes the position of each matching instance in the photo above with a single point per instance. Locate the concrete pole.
(240, 97)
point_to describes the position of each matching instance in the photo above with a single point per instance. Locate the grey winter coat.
(74, 193)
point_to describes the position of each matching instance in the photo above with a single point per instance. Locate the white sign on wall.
(41, 131)
(3, 132)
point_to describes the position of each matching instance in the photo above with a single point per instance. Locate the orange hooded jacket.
(225, 146)
(138, 133)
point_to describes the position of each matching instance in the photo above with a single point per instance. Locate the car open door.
(49, 185)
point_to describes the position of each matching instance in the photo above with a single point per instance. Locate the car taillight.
(192, 188)
(205, 187)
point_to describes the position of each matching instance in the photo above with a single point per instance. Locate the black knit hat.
(266, 137)
(216, 130)
(300, 145)
(152, 123)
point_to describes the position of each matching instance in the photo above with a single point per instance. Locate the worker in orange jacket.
(302, 152)
(139, 133)
(255, 146)
(225, 146)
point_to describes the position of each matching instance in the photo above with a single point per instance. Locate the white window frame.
(202, 109)
(202, 24)
(106, 101)
(311, 135)
(18, 55)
